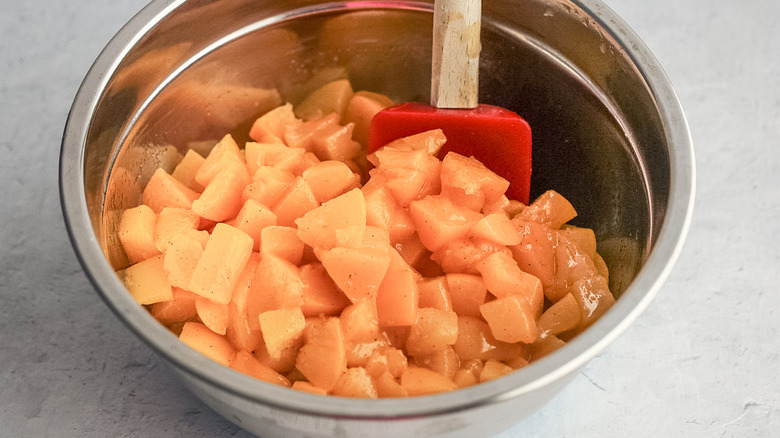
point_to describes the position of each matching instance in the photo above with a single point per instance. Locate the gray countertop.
(702, 361)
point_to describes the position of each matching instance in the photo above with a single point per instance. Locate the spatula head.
(497, 137)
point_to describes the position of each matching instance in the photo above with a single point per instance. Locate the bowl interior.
(183, 79)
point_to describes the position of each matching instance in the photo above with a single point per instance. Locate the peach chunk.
(510, 318)
(338, 222)
(137, 233)
(177, 310)
(222, 197)
(320, 294)
(322, 358)
(281, 328)
(213, 315)
(422, 381)
(396, 299)
(358, 272)
(439, 221)
(204, 341)
(467, 293)
(187, 168)
(277, 283)
(246, 363)
(497, 228)
(550, 209)
(181, 258)
(252, 219)
(503, 277)
(282, 242)
(329, 179)
(355, 382)
(223, 260)
(148, 282)
(434, 330)
(163, 190)
(171, 221)
(560, 317)
(469, 183)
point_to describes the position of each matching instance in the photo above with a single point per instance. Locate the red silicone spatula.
(499, 138)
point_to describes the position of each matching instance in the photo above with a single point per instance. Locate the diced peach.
(463, 255)
(213, 315)
(517, 362)
(355, 382)
(301, 135)
(243, 333)
(410, 174)
(274, 123)
(445, 362)
(244, 282)
(320, 294)
(322, 359)
(177, 310)
(225, 154)
(254, 149)
(434, 292)
(550, 209)
(429, 141)
(335, 143)
(434, 330)
(329, 179)
(571, 265)
(252, 219)
(543, 347)
(171, 221)
(503, 277)
(475, 341)
(560, 317)
(396, 299)
(163, 190)
(281, 328)
(359, 322)
(208, 343)
(497, 228)
(422, 381)
(499, 205)
(332, 97)
(285, 364)
(223, 260)
(382, 210)
(222, 197)
(282, 242)
(386, 360)
(277, 155)
(414, 253)
(187, 168)
(244, 362)
(362, 107)
(181, 258)
(593, 297)
(338, 222)
(464, 378)
(268, 185)
(277, 284)
(467, 293)
(439, 221)
(137, 233)
(387, 386)
(305, 386)
(358, 272)
(585, 238)
(494, 369)
(510, 319)
(536, 252)
(294, 203)
(469, 182)
(148, 282)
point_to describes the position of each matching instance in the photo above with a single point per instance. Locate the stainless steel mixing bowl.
(609, 134)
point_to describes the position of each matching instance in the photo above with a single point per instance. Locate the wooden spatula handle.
(456, 47)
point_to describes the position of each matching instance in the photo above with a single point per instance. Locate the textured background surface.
(702, 361)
